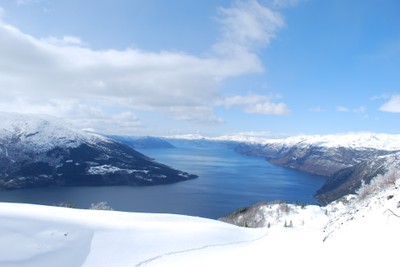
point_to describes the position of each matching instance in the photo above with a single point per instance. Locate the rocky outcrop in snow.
(42, 151)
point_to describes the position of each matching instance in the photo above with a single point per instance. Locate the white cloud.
(33, 70)
(64, 41)
(25, 2)
(57, 75)
(258, 104)
(246, 26)
(382, 96)
(360, 109)
(342, 109)
(392, 105)
(204, 114)
(126, 123)
(316, 109)
(268, 108)
(283, 3)
(239, 100)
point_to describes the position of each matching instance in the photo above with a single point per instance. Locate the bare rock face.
(40, 151)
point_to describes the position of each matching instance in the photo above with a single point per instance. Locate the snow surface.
(390, 142)
(43, 132)
(349, 232)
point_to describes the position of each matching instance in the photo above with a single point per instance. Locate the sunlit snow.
(349, 232)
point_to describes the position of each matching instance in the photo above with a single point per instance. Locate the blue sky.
(155, 67)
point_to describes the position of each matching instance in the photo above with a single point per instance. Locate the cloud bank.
(65, 77)
(258, 104)
(392, 105)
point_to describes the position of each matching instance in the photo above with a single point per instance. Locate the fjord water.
(227, 181)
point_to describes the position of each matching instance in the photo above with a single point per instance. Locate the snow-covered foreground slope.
(357, 231)
(32, 235)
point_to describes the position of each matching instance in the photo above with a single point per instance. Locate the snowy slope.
(42, 132)
(356, 231)
(48, 236)
(367, 223)
(41, 151)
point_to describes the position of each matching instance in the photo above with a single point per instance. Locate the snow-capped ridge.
(390, 142)
(38, 150)
(380, 141)
(43, 132)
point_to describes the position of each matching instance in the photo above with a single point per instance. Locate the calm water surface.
(227, 181)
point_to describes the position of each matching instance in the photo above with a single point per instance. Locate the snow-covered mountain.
(349, 180)
(346, 159)
(41, 151)
(350, 140)
(357, 230)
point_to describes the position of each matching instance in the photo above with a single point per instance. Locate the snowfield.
(355, 231)
(33, 235)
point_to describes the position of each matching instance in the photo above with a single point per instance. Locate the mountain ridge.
(38, 150)
(381, 141)
(343, 158)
